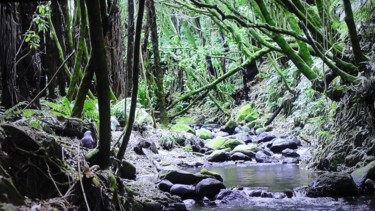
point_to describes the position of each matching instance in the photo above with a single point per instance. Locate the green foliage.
(63, 107)
(142, 94)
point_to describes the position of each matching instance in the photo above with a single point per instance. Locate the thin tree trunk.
(100, 66)
(349, 20)
(78, 58)
(137, 44)
(129, 57)
(158, 73)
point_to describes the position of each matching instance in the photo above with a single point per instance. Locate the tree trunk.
(114, 47)
(80, 49)
(349, 20)
(8, 43)
(158, 72)
(100, 66)
(130, 56)
(137, 44)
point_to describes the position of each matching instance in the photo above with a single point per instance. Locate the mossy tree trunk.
(99, 62)
(130, 49)
(137, 46)
(158, 72)
(78, 58)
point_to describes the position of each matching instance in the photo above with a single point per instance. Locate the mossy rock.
(142, 118)
(247, 113)
(211, 173)
(204, 134)
(188, 148)
(184, 120)
(247, 149)
(223, 143)
(182, 128)
(230, 126)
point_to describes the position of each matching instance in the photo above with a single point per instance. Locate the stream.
(277, 178)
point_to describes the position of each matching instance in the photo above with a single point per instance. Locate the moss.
(181, 127)
(204, 133)
(223, 143)
(247, 113)
(245, 149)
(184, 120)
(188, 148)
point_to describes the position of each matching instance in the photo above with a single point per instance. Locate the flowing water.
(278, 178)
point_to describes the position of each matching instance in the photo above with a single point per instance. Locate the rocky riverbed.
(163, 156)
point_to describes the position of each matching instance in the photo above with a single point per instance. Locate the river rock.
(291, 160)
(265, 137)
(223, 143)
(184, 191)
(263, 157)
(218, 156)
(225, 196)
(242, 129)
(230, 126)
(279, 144)
(245, 137)
(141, 143)
(360, 175)
(240, 156)
(208, 188)
(165, 185)
(220, 134)
(127, 170)
(247, 149)
(211, 173)
(180, 177)
(289, 153)
(332, 184)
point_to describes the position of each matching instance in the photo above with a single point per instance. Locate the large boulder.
(218, 156)
(360, 175)
(142, 118)
(332, 184)
(223, 143)
(247, 149)
(183, 191)
(204, 133)
(279, 144)
(208, 188)
(181, 177)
